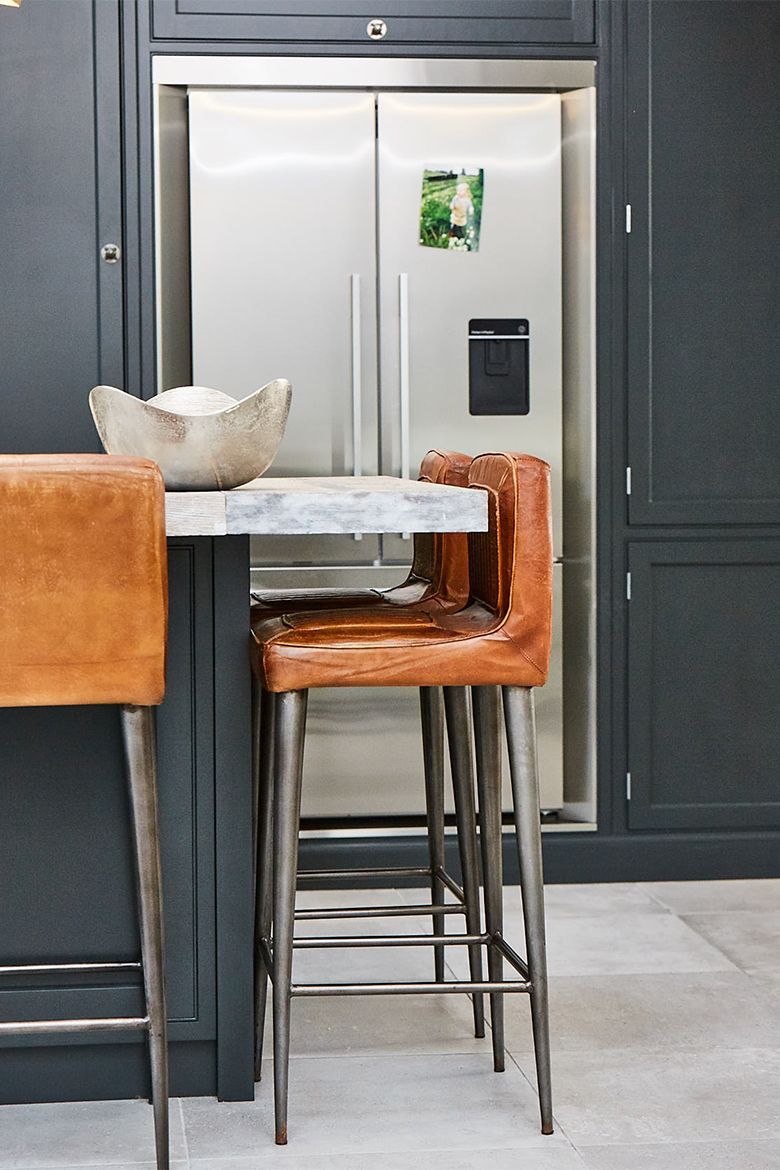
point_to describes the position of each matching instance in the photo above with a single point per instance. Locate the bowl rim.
(146, 403)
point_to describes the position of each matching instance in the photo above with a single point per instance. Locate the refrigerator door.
(282, 202)
(431, 291)
(286, 228)
(496, 158)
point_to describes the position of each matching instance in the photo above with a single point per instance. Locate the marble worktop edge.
(337, 504)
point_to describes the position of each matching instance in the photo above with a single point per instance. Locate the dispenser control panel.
(498, 365)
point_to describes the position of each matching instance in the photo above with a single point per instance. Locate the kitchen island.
(65, 861)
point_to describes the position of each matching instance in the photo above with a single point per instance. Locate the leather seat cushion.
(83, 580)
(361, 649)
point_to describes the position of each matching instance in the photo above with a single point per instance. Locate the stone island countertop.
(322, 504)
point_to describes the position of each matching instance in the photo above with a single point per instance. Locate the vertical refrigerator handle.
(403, 338)
(357, 384)
(403, 341)
(357, 388)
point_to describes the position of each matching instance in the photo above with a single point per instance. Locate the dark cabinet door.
(704, 261)
(60, 202)
(432, 22)
(704, 681)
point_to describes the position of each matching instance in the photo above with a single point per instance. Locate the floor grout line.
(184, 1131)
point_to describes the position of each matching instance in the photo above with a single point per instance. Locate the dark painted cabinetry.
(435, 23)
(65, 861)
(702, 108)
(61, 326)
(704, 681)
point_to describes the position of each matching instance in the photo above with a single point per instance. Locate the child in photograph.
(461, 208)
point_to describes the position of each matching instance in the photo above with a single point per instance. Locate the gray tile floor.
(665, 1019)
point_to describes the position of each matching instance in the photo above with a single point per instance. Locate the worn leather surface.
(83, 580)
(500, 637)
(438, 576)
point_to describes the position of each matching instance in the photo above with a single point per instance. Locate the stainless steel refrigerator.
(324, 249)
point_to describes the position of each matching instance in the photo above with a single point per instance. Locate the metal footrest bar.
(425, 910)
(31, 1027)
(401, 940)
(46, 968)
(316, 989)
(510, 955)
(391, 871)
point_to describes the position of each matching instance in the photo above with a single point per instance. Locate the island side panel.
(233, 788)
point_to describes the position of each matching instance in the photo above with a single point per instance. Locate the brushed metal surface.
(282, 198)
(578, 175)
(282, 221)
(535, 179)
(171, 238)
(372, 72)
(515, 138)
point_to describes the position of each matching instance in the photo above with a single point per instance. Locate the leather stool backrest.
(83, 580)
(442, 557)
(510, 565)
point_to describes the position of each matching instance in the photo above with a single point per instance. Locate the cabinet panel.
(186, 770)
(704, 684)
(704, 261)
(61, 309)
(432, 22)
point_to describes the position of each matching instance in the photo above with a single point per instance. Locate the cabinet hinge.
(628, 586)
(628, 785)
(628, 481)
(628, 218)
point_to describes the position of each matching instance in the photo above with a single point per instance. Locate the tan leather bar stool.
(501, 638)
(83, 620)
(438, 581)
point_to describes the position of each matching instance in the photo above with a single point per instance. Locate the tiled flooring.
(665, 1017)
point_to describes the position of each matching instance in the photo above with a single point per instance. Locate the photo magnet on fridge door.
(451, 208)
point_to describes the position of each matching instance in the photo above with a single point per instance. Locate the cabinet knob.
(376, 29)
(111, 253)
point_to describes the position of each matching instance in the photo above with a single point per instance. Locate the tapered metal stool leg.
(487, 739)
(263, 738)
(432, 721)
(140, 754)
(521, 742)
(290, 725)
(459, 735)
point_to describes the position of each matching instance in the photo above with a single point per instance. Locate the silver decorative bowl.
(202, 439)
